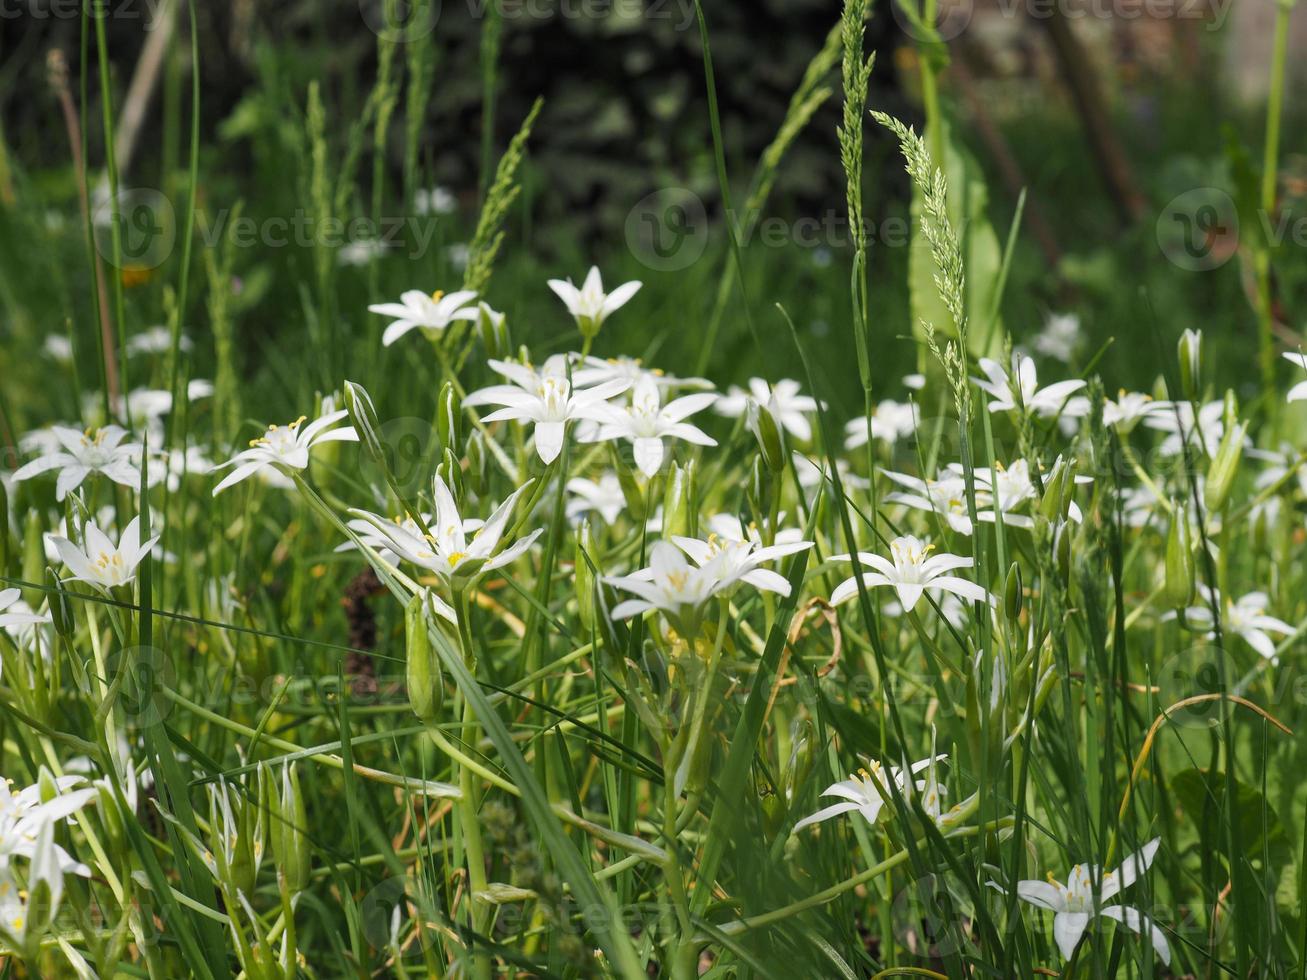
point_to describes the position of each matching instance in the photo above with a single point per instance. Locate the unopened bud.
(422, 676)
(290, 845)
(677, 496)
(759, 490)
(1224, 467)
(475, 476)
(449, 470)
(493, 329)
(61, 610)
(583, 579)
(449, 409)
(762, 423)
(1012, 593)
(1180, 584)
(1190, 351)
(34, 556)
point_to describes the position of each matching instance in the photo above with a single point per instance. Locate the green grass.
(578, 794)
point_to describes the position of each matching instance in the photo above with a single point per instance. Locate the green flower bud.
(677, 496)
(583, 579)
(475, 475)
(1062, 551)
(1050, 505)
(451, 472)
(1224, 467)
(363, 415)
(762, 423)
(635, 501)
(61, 611)
(492, 327)
(449, 413)
(1190, 351)
(34, 556)
(426, 689)
(290, 846)
(1178, 590)
(1012, 593)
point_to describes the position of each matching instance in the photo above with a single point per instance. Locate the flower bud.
(583, 579)
(1062, 551)
(1012, 593)
(451, 472)
(676, 500)
(762, 423)
(1190, 350)
(1178, 590)
(493, 330)
(449, 411)
(61, 611)
(1224, 467)
(363, 415)
(290, 846)
(426, 689)
(6, 545)
(635, 502)
(1051, 504)
(475, 475)
(34, 556)
(758, 492)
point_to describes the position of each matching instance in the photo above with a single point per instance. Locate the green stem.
(470, 794)
(1270, 163)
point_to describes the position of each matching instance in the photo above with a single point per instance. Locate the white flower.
(21, 614)
(1075, 903)
(155, 340)
(914, 382)
(946, 497)
(866, 792)
(360, 252)
(590, 305)
(101, 562)
(1005, 488)
(736, 556)
(1179, 421)
(1129, 408)
(1245, 617)
(786, 405)
(671, 585)
(81, 454)
(890, 422)
(436, 200)
(429, 313)
(604, 497)
(25, 813)
(1060, 337)
(1048, 402)
(646, 423)
(547, 400)
(912, 572)
(1299, 391)
(446, 551)
(21, 924)
(598, 370)
(59, 347)
(285, 447)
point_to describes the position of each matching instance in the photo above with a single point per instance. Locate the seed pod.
(449, 412)
(426, 689)
(1181, 580)
(1012, 593)
(1190, 351)
(762, 423)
